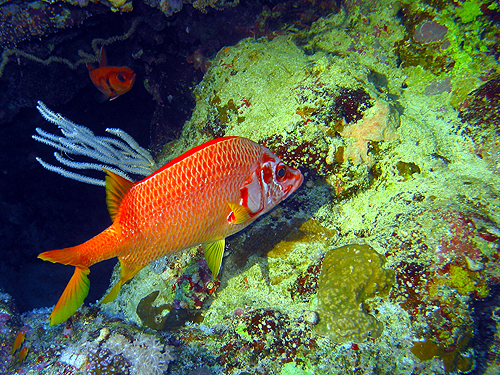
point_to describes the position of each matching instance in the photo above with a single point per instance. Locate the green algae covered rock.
(350, 275)
(316, 111)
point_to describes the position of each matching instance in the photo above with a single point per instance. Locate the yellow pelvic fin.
(240, 213)
(127, 272)
(116, 188)
(72, 297)
(213, 254)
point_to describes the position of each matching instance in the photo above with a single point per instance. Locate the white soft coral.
(149, 355)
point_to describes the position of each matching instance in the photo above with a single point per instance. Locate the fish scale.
(187, 224)
(200, 197)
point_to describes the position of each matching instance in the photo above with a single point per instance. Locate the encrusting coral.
(350, 275)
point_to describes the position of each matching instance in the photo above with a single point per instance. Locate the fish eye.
(121, 77)
(280, 172)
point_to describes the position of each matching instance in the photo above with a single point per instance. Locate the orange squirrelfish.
(112, 81)
(201, 197)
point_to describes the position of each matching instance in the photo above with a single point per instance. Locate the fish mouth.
(294, 183)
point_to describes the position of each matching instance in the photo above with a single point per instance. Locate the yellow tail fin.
(72, 297)
(77, 288)
(104, 246)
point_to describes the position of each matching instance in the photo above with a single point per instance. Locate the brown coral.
(350, 275)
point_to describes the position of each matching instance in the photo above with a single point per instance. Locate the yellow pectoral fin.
(213, 254)
(239, 213)
(127, 272)
(72, 297)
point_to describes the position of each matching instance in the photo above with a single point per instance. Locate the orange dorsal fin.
(72, 297)
(116, 188)
(127, 272)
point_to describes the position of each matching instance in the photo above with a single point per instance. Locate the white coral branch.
(121, 156)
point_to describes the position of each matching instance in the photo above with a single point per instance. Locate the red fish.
(23, 353)
(112, 81)
(201, 197)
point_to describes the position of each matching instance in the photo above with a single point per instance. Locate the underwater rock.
(430, 32)
(481, 112)
(23, 20)
(88, 343)
(318, 112)
(11, 326)
(168, 7)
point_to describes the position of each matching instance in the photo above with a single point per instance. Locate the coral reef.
(21, 21)
(91, 346)
(116, 353)
(10, 326)
(391, 111)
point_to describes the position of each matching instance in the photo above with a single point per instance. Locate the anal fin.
(127, 272)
